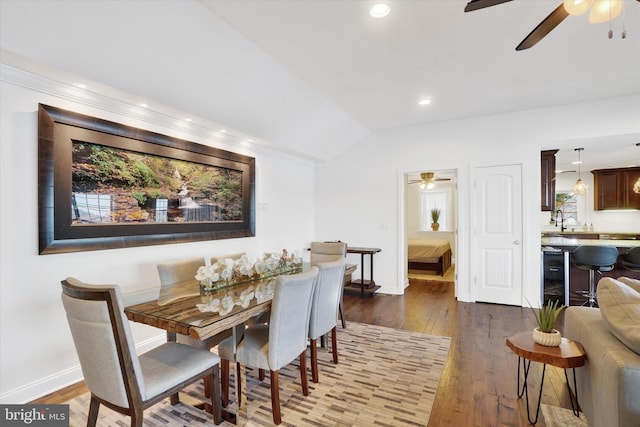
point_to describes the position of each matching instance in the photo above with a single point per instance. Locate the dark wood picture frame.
(58, 128)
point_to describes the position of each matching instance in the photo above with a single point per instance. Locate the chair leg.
(334, 344)
(344, 322)
(137, 416)
(94, 407)
(314, 360)
(303, 373)
(239, 383)
(214, 392)
(224, 368)
(275, 397)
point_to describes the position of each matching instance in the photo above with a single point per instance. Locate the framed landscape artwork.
(103, 185)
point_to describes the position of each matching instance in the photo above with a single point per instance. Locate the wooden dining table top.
(179, 309)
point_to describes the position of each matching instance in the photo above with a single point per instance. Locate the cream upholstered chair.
(174, 273)
(275, 345)
(324, 309)
(115, 375)
(333, 251)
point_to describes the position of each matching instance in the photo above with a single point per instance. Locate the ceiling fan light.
(605, 10)
(577, 7)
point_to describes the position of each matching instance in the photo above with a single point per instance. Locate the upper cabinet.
(613, 188)
(548, 180)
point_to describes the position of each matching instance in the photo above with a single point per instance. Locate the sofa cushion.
(634, 283)
(620, 309)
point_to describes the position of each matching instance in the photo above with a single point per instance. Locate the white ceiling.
(315, 76)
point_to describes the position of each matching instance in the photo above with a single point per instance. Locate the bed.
(429, 254)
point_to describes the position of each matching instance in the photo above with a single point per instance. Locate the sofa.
(609, 383)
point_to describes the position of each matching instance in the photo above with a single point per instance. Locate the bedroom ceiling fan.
(427, 180)
(601, 11)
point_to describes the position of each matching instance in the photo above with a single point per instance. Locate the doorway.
(425, 191)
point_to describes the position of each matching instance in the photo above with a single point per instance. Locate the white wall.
(37, 355)
(360, 195)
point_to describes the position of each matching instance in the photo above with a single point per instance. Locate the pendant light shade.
(580, 188)
(577, 7)
(605, 10)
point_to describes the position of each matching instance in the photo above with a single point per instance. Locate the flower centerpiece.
(215, 276)
(546, 317)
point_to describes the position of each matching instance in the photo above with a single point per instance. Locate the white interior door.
(498, 234)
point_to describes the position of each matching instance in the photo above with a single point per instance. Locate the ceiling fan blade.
(481, 4)
(544, 28)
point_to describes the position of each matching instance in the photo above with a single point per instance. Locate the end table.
(569, 354)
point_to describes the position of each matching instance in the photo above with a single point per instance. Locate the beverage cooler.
(555, 276)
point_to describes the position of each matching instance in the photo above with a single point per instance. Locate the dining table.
(187, 310)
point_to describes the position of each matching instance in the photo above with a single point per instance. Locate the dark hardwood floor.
(478, 387)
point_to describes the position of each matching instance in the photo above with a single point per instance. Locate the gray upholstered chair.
(333, 251)
(275, 345)
(115, 375)
(324, 309)
(594, 258)
(175, 273)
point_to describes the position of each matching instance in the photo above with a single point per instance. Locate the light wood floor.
(478, 387)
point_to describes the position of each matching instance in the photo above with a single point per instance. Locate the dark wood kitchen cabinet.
(548, 180)
(613, 188)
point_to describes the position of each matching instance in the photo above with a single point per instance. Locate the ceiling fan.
(606, 9)
(427, 180)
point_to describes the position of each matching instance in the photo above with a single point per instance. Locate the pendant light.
(580, 187)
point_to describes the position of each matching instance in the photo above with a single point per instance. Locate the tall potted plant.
(435, 216)
(546, 318)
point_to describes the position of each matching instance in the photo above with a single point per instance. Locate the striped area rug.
(385, 377)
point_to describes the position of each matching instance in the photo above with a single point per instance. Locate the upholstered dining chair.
(333, 251)
(114, 374)
(276, 344)
(324, 309)
(176, 273)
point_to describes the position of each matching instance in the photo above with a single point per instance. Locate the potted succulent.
(435, 215)
(546, 317)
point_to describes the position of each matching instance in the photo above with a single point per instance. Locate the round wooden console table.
(569, 354)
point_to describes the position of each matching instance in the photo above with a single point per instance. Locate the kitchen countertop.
(563, 241)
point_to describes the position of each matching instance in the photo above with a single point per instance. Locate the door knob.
(516, 242)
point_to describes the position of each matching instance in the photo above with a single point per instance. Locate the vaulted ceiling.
(315, 76)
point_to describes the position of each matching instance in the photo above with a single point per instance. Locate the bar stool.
(631, 260)
(594, 258)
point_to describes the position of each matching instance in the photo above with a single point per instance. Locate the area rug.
(449, 275)
(385, 377)
(561, 417)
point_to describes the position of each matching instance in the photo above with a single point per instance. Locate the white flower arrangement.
(228, 271)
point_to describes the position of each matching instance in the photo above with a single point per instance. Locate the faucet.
(562, 227)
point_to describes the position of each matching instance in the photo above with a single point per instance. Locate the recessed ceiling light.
(424, 101)
(143, 105)
(187, 119)
(80, 85)
(223, 130)
(379, 10)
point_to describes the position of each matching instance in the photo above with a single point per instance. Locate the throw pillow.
(620, 309)
(634, 283)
